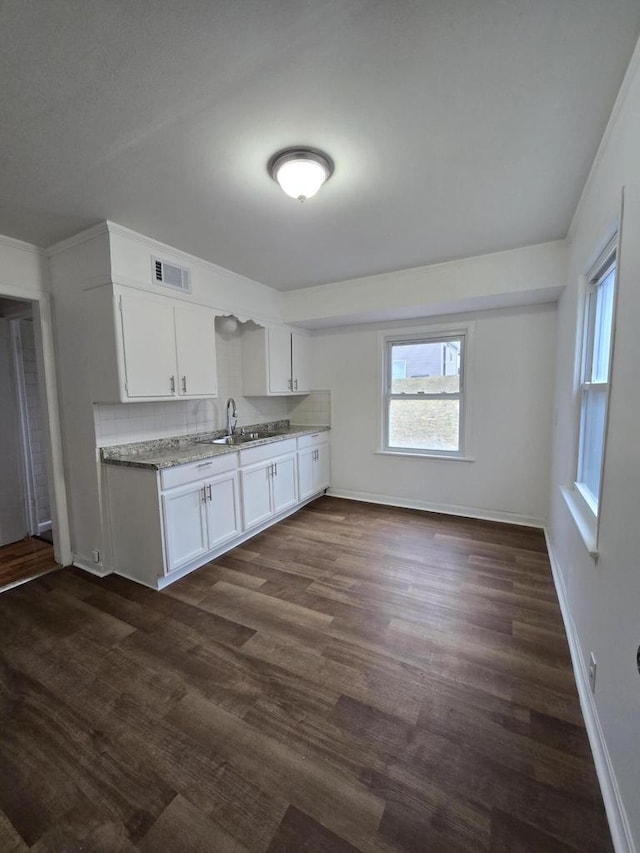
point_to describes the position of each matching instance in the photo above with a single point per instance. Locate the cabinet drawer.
(267, 451)
(181, 474)
(313, 440)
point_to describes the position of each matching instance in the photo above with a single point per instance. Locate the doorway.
(26, 543)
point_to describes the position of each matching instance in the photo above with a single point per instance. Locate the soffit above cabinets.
(456, 129)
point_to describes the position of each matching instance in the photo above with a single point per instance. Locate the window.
(424, 400)
(596, 370)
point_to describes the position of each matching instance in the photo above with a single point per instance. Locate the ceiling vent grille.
(171, 275)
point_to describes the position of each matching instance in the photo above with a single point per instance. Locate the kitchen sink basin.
(242, 438)
(230, 440)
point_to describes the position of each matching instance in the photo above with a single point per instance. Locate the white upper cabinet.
(148, 347)
(279, 359)
(275, 362)
(196, 351)
(148, 341)
(300, 363)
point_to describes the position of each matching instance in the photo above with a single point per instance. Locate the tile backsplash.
(124, 422)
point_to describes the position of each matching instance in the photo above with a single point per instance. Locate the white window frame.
(585, 510)
(430, 334)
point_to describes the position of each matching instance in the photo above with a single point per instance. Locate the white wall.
(510, 409)
(603, 597)
(526, 276)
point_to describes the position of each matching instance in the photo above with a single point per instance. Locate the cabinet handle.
(275, 469)
(296, 384)
(290, 384)
(204, 495)
(268, 470)
(209, 490)
(172, 384)
(204, 464)
(184, 384)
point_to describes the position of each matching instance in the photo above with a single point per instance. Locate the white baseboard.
(618, 822)
(43, 526)
(89, 566)
(446, 509)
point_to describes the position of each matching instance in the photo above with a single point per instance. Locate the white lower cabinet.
(313, 465)
(166, 523)
(268, 485)
(185, 524)
(199, 517)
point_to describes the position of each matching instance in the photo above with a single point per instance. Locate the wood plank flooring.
(356, 678)
(25, 559)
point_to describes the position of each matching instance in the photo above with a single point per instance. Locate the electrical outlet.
(592, 672)
(96, 556)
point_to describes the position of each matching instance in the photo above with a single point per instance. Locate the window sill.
(585, 520)
(413, 455)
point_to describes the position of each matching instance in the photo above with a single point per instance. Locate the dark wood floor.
(355, 678)
(25, 559)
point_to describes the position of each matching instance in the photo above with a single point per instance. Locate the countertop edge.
(197, 451)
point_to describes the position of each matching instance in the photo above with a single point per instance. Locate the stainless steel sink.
(230, 440)
(240, 438)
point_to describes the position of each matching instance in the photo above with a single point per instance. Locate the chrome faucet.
(232, 412)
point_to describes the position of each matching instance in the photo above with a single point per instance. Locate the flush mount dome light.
(300, 171)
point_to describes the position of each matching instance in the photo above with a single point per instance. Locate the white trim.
(446, 509)
(78, 239)
(46, 362)
(25, 431)
(22, 246)
(584, 518)
(428, 454)
(44, 526)
(618, 822)
(89, 566)
(466, 330)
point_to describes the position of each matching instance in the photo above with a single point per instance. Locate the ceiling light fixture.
(300, 171)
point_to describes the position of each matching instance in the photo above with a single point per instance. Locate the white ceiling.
(457, 127)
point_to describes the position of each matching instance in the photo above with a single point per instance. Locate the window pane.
(592, 440)
(602, 329)
(424, 424)
(433, 367)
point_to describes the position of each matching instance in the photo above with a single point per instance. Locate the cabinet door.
(196, 348)
(256, 494)
(279, 356)
(223, 509)
(322, 471)
(300, 360)
(185, 524)
(285, 492)
(306, 471)
(148, 336)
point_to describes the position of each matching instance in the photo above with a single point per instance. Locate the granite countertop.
(166, 452)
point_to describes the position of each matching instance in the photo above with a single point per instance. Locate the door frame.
(23, 417)
(45, 357)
